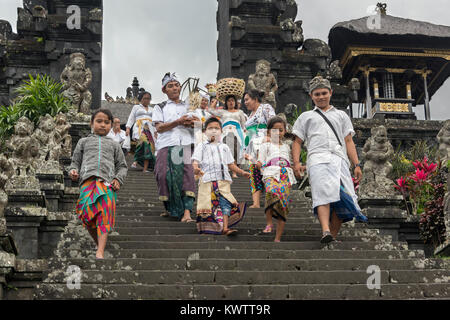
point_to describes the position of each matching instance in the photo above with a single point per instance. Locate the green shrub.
(40, 96)
(35, 98)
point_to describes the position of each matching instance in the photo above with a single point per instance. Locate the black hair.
(211, 120)
(104, 111)
(255, 94)
(142, 94)
(274, 120)
(228, 98)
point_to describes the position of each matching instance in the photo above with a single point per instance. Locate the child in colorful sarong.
(217, 209)
(98, 163)
(275, 159)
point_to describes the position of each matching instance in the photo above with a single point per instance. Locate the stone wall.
(43, 43)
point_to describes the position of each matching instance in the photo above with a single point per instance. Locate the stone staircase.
(152, 257)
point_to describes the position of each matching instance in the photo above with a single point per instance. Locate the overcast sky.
(147, 38)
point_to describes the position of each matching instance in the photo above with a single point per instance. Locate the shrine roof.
(393, 32)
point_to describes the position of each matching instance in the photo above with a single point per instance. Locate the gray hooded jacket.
(99, 156)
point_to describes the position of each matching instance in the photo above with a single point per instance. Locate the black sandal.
(326, 237)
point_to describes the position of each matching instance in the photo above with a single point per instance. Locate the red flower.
(429, 167)
(419, 176)
(417, 164)
(401, 185)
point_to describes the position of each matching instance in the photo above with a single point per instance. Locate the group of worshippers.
(183, 146)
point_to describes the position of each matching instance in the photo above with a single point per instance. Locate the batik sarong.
(277, 195)
(175, 178)
(145, 149)
(210, 221)
(96, 206)
(256, 183)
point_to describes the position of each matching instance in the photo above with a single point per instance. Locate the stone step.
(251, 254)
(190, 228)
(244, 277)
(126, 223)
(154, 217)
(237, 236)
(247, 264)
(223, 242)
(243, 292)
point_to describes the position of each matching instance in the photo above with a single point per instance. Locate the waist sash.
(280, 162)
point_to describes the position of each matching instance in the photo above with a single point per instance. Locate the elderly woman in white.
(143, 131)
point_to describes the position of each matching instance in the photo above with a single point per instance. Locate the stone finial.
(264, 81)
(76, 79)
(376, 154)
(443, 138)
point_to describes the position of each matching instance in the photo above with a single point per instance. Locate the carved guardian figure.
(264, 81)
(76, 79)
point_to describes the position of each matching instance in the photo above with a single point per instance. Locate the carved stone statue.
(24, 153)
(76, 79)
(443, 138)
(376, 153)
(63, 138)
(295, 28)
(6, 172)
(45, 134)
(264, 81)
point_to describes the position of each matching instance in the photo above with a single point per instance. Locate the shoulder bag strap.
(329, 123)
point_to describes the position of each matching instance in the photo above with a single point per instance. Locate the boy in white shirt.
(217, 209)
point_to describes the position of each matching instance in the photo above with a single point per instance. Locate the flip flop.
(268, 229)
(230, 232)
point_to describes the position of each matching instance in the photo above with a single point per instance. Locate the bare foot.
(254, 206)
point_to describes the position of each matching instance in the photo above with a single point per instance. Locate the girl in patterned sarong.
(98, 163)
(275, 158)
(217, 209)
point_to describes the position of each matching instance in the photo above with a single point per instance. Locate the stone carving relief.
(264, 81)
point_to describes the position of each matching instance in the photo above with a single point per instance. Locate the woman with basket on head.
(233, 119)
(140, 119)
(256, 126)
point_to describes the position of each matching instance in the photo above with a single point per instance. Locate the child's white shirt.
(213, 159)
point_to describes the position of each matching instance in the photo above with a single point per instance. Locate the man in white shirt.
(173, 169)
(329, 151)
(120, 136)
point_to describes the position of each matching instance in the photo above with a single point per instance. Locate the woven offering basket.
(230, 86)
